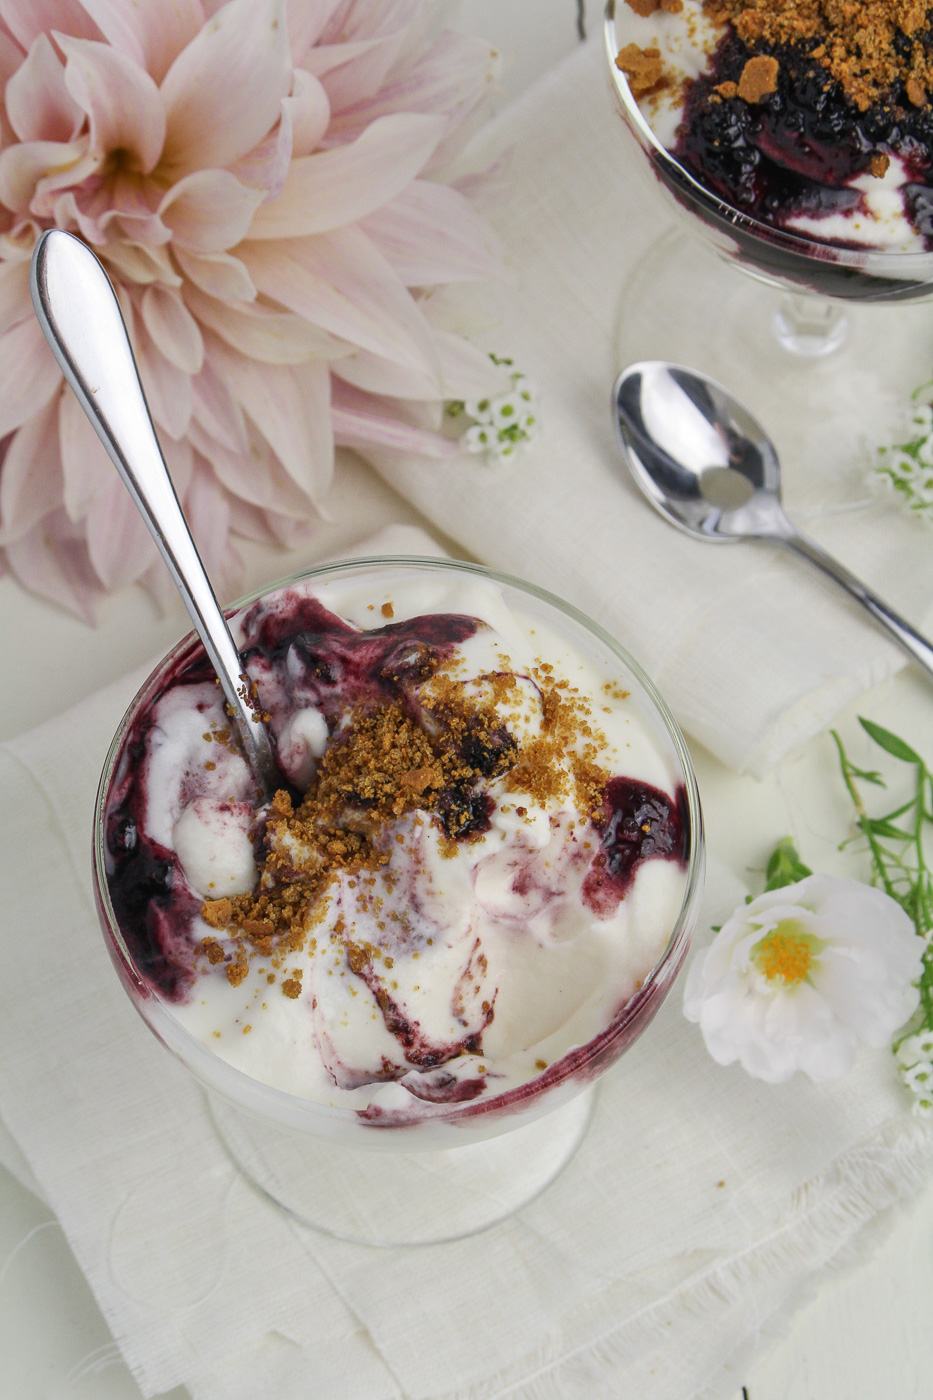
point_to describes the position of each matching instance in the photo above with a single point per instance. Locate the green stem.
(863, 820)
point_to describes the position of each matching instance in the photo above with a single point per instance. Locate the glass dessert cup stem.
(391, 1198)
(830, 380)
(809, 326)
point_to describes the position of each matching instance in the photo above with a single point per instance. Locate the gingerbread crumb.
(291, 987)
(387, 610)
(643, 68)
(759, 78)
(878, 165)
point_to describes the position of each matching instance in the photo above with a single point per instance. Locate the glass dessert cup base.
(393, 1198)
(828, 379)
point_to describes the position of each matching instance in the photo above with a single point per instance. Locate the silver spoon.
(709, 468)
(80, 316)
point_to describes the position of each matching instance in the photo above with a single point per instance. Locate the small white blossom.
(506, 410)
(480, 438)
(919, 1078)
(801, 975)
(916, 1047)
(480, 410)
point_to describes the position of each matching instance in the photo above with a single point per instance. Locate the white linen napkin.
(699, 1207)
(753, 651)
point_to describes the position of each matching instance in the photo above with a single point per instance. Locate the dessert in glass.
(399, 977)
(798, 142)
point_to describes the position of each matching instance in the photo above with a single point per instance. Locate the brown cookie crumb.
(235, 972)
(727, 89)
(387, 610)
(645, 8)
(759, 78)
(643, 68)
(291, 987)
(878, 165)
(916, 94)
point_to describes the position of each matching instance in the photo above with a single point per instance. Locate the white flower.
(796, 979)
(481, 438)
(919, 1078)
(916, 1047)
(921, 418)
(479, 409)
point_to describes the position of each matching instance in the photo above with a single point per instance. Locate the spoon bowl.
(708, 466)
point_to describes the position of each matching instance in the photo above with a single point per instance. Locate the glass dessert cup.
(824, 342)
(447, 1169)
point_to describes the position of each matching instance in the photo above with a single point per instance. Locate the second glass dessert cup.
(461, 1166)
(824, 342)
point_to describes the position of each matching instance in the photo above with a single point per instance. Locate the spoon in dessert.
(80, 316)
(709, 468)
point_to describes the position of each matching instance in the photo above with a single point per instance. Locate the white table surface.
(865, 1332)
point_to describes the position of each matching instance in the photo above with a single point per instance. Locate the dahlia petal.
(31, 476)
(275, 337)
(305, 24)
(324, 58)
(86, 468)
(242, 50)
(158, 583)
(339, 186)
(430, 234)
(137, 263)
(216, 411)
(17, 243)
(27, 19)
(55, 565)
(15, 303)
(468, 372)
(119, 546)
(152, 34)
(343, 284)
(23, 166)
(167, 388)
(254, 476)
(173, 328)
(360, 79)
(221, 275)
(38, 103)
(353, 428)
(208, 513)
(122, 101)
(451, 77)
(209, 211)
(309, 111)
(48, 186)
(376, 375)
(180, 462)
(266, 165)
(291, 408)
(29, 375)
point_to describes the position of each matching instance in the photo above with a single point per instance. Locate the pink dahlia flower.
(271, 188)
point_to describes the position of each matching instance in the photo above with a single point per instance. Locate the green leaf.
(889, 742)
(785, 866)
(884, 828)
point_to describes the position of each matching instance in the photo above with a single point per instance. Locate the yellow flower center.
(787, 953)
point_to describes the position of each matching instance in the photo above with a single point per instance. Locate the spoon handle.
(80, 316)
(906, 636)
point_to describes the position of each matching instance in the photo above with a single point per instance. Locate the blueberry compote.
(796, 152)
(475, 861)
